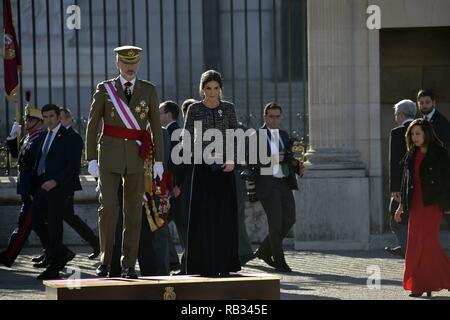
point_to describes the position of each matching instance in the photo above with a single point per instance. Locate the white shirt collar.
(123, 81)
(431, 114)
(271, 130)
(407, 120)
(56, 129)
(274, 133)
(168, 125)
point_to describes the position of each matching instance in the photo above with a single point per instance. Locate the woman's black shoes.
(418, 295)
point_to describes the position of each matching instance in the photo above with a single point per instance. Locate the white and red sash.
(133, 130)
(124, 112)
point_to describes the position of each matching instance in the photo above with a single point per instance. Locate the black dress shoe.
(49, 275)
(247, 258)
(102, 271)
(39, 259)
(6, 263)
(395, 251)
(179, 273)
(65, 260)
(283, 268)
(267, 260)
(224, 275)
(95, 253)
(43, 264)
(175, 266)
(3, 260)
(129, 273)
(418, 295)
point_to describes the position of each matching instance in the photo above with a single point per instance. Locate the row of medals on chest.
(142, 109)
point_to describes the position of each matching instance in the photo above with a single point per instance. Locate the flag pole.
(17, 115)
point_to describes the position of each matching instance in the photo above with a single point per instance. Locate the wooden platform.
(235, 287)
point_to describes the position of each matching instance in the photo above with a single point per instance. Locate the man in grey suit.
(404, 113)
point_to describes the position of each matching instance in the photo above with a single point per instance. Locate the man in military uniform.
(126, 105)
(26, 158)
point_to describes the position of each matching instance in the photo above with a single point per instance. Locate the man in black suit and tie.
(56, 178)
(404, 113)
(426, 101)
(70, 217)
(274, 185)
(169, 112)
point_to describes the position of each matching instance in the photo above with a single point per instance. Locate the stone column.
(333, 201)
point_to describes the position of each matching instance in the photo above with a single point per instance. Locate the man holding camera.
(274, 187)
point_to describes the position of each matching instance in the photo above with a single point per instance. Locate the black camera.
(249, 177)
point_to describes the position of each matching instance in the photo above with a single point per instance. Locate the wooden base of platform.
(235, 287)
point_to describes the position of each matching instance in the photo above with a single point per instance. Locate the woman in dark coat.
(425, 195)
(212, 246)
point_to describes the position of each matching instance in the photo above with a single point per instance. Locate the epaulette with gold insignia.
(109, 80)
(147, 82)
(105, 81)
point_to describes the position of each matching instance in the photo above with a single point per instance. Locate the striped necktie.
(128, 93)
(41, 166)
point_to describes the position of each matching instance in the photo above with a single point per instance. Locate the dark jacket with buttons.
(62, 163)
(221, 118)
(77, 143)
(441, 126)
(434, 176)
(397, 151)
(26, 158)
(264, 183)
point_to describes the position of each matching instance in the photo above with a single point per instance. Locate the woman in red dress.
(425, 196)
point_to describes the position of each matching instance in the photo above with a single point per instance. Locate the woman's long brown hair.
(430, 137)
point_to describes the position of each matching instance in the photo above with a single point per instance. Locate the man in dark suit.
(169, 112)
(426, 101)
(70, 217)
(274, 185)
(404, 113)
(56, 178)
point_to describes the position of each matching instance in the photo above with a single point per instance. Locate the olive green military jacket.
(121, 155)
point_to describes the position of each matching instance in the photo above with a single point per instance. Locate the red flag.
(11, 51)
